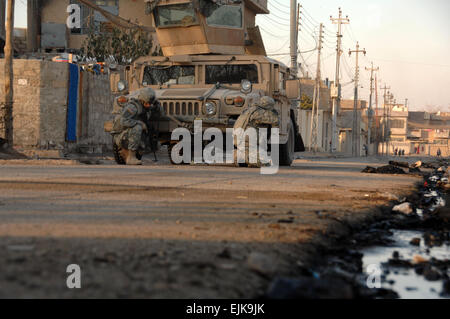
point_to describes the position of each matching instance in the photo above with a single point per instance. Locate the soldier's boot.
(132, 160)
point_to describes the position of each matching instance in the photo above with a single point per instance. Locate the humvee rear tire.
(287, 151)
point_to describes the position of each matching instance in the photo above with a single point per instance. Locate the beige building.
(429, 132)
(324, 122)
(345, 126)
(54, 15)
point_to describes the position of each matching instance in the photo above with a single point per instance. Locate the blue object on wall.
(72, 103)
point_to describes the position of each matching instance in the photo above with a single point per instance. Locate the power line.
(273, 21)
(275, 36)
(280, 4)
(274, 6)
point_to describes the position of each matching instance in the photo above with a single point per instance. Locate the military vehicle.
(214, 65)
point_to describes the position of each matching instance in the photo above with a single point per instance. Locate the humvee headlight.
(210, 108)
(121, 85)
(246, 86)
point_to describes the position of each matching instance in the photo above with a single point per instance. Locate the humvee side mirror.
(293, 89)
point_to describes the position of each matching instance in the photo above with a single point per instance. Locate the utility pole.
(388, 122)
(316, 99)
(9, 80)
(356, 130)
(294, 46)
(377, 132)
(2, 18)
(370, 111)
(336, 92)
(385, 88)
(32, 25)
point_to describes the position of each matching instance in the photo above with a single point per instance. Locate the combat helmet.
(146, 95)
(266, 102)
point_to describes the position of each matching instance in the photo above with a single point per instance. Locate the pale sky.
(408, 39)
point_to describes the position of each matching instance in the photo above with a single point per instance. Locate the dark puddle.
(409, 280)
(403, 253)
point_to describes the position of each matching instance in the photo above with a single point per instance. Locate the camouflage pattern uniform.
(129, 126)
(134, 119)
(258, 115)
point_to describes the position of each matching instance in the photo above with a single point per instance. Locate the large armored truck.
(196, 80)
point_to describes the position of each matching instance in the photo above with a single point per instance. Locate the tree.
(125, 45)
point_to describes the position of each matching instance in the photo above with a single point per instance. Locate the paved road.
(172, 231)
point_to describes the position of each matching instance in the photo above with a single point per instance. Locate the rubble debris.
(405, 208)
(388, 169)
(399, 164)
(414, 170)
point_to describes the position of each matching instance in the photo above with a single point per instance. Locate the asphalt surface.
(162, 231)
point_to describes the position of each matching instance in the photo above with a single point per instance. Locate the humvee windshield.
(175, 15)
(222, 15)
(231, 74)
(164, 75)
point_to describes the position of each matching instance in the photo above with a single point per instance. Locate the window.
(85, 19)
(175, 15)
(397, 124)
(222, 15)
(93, 20)
(165, 75)
(231, 74)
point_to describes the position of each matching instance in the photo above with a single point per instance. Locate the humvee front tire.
(287, 151)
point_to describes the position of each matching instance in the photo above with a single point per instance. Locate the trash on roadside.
(417, 164)
(415, 241)
(434, 179)
(405, 208)
(417, 259)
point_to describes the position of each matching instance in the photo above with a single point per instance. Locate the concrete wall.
(324, 129)
(40, 103)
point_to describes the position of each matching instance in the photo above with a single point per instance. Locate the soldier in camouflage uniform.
(132, 122)
(258, 115)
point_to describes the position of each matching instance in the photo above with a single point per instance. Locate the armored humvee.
(196, 80)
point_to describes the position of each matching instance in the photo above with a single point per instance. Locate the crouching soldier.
(258, 115)
(131, 124)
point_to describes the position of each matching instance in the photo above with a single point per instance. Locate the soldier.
(131, 123)
(258, 115)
